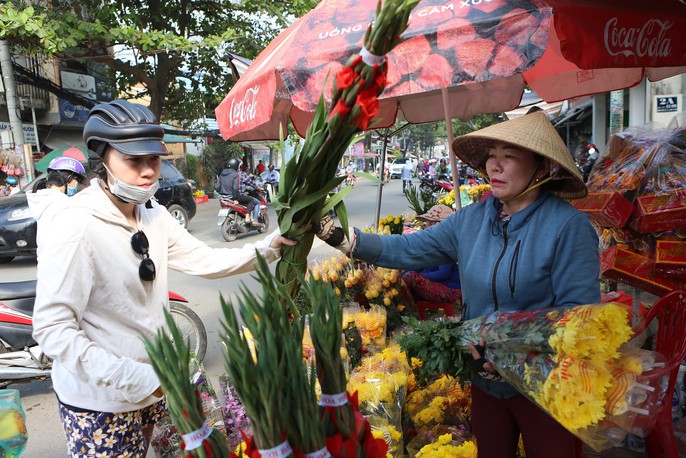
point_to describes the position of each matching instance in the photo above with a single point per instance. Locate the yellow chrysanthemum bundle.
(573, 362)
(448, 200)
(381, 378)
(445, 447)
(574, 393)
(592, 332)
(443, 398)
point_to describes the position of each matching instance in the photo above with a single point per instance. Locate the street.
(46, 437)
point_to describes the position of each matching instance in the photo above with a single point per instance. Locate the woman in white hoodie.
(102, 284)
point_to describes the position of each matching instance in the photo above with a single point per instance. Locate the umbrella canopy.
(72, 151)
(483, 52)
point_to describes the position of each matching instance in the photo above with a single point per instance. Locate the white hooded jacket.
(91, 306)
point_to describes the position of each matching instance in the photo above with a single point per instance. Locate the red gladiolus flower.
(340, 109)
(375, 448)
(369, 106)
(345, 78)
(208, 448)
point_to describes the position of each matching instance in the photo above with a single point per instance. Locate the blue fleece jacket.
(545, 256)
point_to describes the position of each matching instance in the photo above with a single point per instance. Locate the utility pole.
(7, 71)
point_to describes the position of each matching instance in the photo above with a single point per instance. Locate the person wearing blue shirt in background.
(523, 248)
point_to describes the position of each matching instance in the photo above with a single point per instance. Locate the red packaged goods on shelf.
(605, 209)
(662, 212)
(670, 259)
(620, 264)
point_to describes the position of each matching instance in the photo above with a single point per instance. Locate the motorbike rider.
(271, 177)
(64, 174)
(249, 188)
(11, 187)
(103, 260)
(442, 169)
(229, 187)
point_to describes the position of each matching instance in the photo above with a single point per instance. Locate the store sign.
(665, 107)
(83, 85)
(666, 104)
(72, 113)
(29, 132)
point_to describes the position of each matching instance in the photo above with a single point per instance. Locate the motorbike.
(439, 184)
(22, 360)
(231, 216)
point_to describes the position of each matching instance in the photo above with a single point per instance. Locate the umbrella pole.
(379, 192)
(453, 162)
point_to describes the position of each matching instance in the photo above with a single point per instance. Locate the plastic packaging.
(443, 440)
(442, 402)
(13, 434)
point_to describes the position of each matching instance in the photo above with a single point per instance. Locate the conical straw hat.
(533, 132)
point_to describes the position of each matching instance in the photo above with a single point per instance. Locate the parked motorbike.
(231, 216)
(22, 360)
(439, 184)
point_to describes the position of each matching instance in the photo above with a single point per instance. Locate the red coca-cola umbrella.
(478, 53)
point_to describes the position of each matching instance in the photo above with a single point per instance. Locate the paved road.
(45, 432)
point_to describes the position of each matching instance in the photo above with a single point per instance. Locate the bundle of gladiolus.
(264, 361)
(572, 361)
(171, 356)
(309, 177)
(348, 433)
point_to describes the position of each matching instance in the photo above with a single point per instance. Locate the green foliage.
(476, 123)
(420, 200)
(440, 345)
(175, 49)
(214, 157)
(190, 167)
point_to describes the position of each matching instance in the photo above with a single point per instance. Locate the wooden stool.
(422, 306)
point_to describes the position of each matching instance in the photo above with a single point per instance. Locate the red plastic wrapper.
(670, 259)
(620, 264)
(605, 209)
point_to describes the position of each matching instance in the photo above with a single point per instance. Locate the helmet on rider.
(67, 164)
(129, 128)
(12, 181)
(63, 171)
(234, 163)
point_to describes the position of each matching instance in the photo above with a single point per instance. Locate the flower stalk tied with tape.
(348, 431)
(309, 177)
(270, 378)
(170, 355)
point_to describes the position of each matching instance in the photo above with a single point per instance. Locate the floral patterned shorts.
(104, 434)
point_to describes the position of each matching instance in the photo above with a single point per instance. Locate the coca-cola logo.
(649, 40)
(246, 109)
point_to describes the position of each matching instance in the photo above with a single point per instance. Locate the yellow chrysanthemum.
(574, 393)
(592, 331)
(443, 448)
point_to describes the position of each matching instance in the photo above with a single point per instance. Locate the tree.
(175, 49)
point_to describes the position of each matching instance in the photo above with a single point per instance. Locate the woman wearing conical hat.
(523, 248)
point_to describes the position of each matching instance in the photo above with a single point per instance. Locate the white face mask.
(130, 193)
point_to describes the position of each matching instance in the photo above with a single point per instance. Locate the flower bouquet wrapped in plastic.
(574, 362)
(442, 440)
(372, 326)
(442, 402)
(235, 418)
